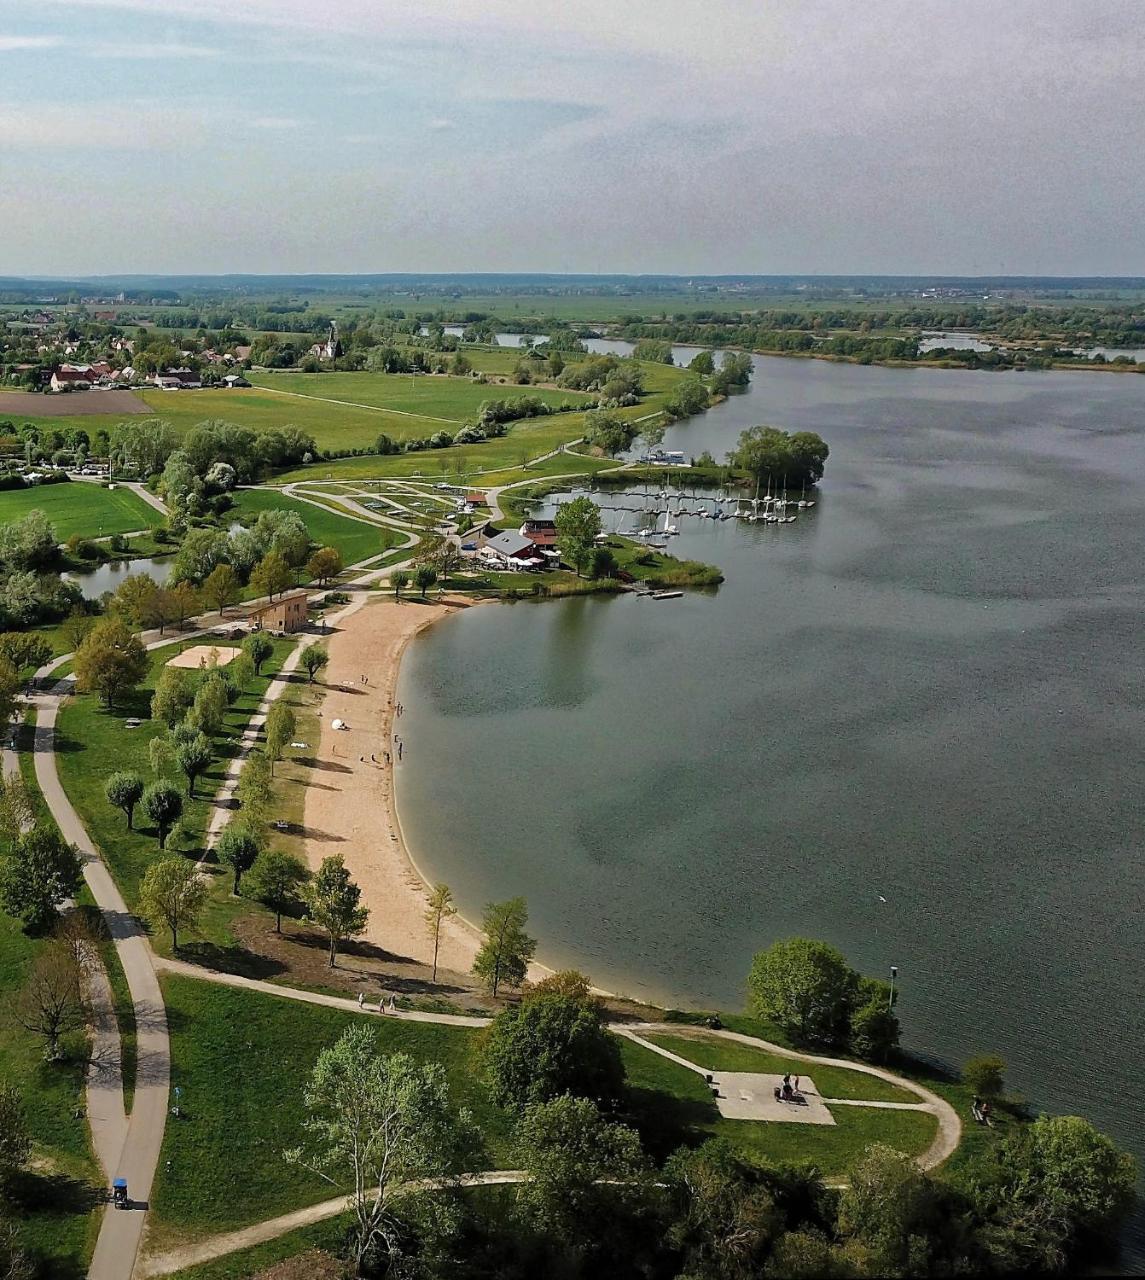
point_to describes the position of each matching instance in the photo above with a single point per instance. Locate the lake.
(930, 690)
(107, 577)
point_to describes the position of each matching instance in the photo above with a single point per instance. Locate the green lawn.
(454, 400)
(716, 1054)
(242, 1060)
(672, 1105)
(55, 1201)
(92, 742)
(76, 507)
(355, 539)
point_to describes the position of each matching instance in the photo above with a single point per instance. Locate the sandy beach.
(352, 812)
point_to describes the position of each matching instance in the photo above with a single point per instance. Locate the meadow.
(451, 401)
(355, 539)
(77, 507)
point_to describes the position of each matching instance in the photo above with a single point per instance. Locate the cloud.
(439, 123)
(143, 51)
(18, 44)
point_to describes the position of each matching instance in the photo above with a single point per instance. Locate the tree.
(578, 524)
(174, 694)
(609, 432)
(276, 879)
(271, 575)
(238, 847)
(255, 791)
(767, 452)
(314, 657)
(806, 987)
(25, 649)
(505, 954)
(211, 701)
(258, 647)
(50, 1003)
(163, 806)
(280, 729)
(551, 1045)
(10, 687)
(14, 1262)
(324, 564)
(723, 1217)
(382, 1125)
(875, 1028)
(582, 1171)
(399, 580)
(134, 599)
(1059, 1184)
(886, 1205)
(703, 364)
(39, 873)
(173, 895)
(985, 1074)
(194, 758)
(76, 626)
(183, 601)
(124, 790)
(424, 576)
(221, 587)
(15, 1141)
(332, 902)
(110, 661)
(17, 814)
(437, 911)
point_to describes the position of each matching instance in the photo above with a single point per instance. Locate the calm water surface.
(930, 688)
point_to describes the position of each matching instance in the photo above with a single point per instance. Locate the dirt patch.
(314, 1264)
(202, 655)
(26, 404)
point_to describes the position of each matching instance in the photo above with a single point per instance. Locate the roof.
(539, 525)
(281, 602)
(509, 544)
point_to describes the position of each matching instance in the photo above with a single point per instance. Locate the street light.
(894, 975)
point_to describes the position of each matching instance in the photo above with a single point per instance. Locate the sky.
(984, 137)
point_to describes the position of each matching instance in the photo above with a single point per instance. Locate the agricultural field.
(78, 507)
(355, 539)
(450, 401)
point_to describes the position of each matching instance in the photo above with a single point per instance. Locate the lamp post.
(894, 975)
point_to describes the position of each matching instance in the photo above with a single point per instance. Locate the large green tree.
(383, 1126)
(39, 872)
(578, 525)
(237, 847)
(333, 902)
(110, 661)
(276, 879)
(805, 987)
(505, 952)
(769, 454)
(124, 790)
(163, 806)
(551, 1045)
(173, 895)
(280, 727)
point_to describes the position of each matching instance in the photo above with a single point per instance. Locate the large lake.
(931, 689)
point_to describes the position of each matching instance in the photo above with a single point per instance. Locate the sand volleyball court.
(200, 656)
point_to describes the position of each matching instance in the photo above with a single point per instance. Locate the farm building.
(513, 550)
(69, 377)
(541, 533)
(284, 615)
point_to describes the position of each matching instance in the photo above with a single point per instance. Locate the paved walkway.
(163, 1264)
(120, 1232)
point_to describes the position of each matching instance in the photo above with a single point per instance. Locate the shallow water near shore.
(930, 690)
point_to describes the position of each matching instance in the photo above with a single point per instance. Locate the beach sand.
(353, 812)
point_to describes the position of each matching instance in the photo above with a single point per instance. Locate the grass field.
(672, 1105)
(55, 1200)
(715, 1054)
(87, 509)
(452, 400)
(355, 539)
(242, 1060)
(92, 742)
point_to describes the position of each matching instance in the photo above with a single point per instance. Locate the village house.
(541, 533)
(69, 377)
(513, 550)
(282, 616)
(174, 379)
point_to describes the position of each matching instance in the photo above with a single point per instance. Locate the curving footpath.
(121, 1231)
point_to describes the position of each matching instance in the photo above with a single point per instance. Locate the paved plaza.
(749, 1095)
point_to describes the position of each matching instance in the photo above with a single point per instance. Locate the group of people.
(789, 1091)
(392, 1007)
(982, 1111)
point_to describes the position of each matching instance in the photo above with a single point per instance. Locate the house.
(72, 378)
(541, 533)
(235, 380)
(284, 615)
(475, 498)
(513, 550)
(175, 379)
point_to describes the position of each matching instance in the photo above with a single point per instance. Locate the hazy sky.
(835, 136)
